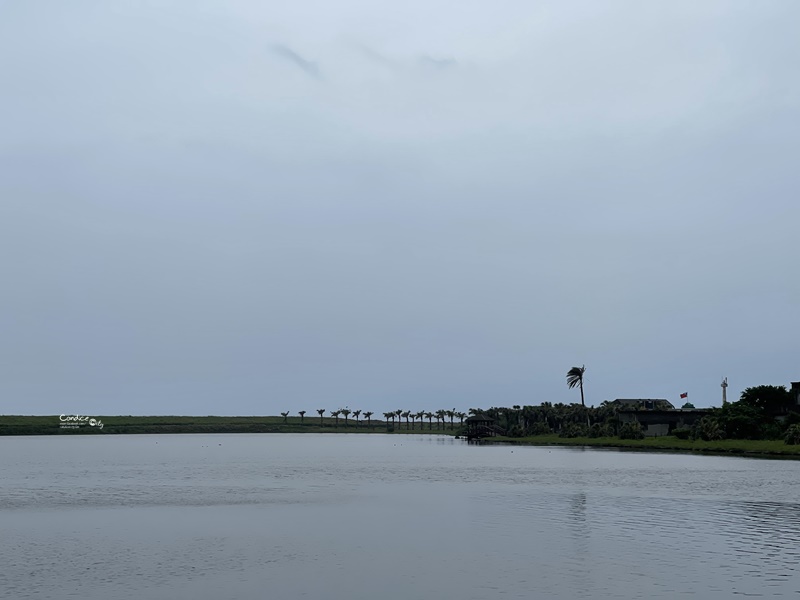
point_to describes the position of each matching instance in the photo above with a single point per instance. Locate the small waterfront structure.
(481, 425)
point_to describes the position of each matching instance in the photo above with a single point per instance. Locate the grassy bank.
(51, 425)
(668, 442)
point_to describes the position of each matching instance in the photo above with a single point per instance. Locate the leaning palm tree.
(302, 414)
(321, 412)
(575, 379)
(369, 414)
(285, 416)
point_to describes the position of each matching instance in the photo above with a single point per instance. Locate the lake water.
(215, 517)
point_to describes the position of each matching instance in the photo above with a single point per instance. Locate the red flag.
(685, 395)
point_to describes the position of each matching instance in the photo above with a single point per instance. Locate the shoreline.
(749, 448)
(22, 425)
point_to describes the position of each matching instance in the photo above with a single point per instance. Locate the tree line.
(392, 419)
(762, 412)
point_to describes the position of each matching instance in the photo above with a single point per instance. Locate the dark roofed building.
(480, 425)
(643, 404)
(479, 419)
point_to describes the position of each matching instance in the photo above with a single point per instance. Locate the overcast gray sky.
(247, 207)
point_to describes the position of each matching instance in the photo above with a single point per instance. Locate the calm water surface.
(214, 517)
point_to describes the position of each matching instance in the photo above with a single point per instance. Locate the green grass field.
(50, 425)
(763, 447)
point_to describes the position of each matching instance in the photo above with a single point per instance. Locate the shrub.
(515, 431)
(772, 431)
(539, 429)
(573, 430)
(631, 431)
(598, 430)
(792, 436)
(707, 429)
(682, 433)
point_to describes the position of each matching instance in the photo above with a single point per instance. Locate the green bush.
(631, 431)
(772, 431)
(573, 430)
(682, 433)
(792, 436)
(539, 429)
(515, 431)
(708, 429)
(599, 430)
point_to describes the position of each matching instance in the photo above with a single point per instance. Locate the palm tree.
(398, 412)
(302, 414)
(345, 412)
(429, 416)
(439, 414)
(451, 414)
(336, 413)
(387, 416)
(420, 415)
(575, 379)
(355, 414)
(321, 411)
(461, 416)
(369, 414)
(405, 415)
(285, 415)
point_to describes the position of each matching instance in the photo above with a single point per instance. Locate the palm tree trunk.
(588, 423)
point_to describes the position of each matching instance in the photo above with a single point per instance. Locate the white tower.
(724, 387)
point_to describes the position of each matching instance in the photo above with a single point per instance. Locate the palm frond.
(575, 376)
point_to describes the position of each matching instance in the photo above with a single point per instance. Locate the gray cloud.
(189, 226)
(438, 63)
(290, 55)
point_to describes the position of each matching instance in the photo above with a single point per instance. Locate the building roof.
(479, 418)
(644, 403)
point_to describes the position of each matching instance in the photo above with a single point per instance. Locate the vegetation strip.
(57, 425)
(664, 443)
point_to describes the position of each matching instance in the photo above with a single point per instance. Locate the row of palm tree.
(395, 417)
(547, 415)
(412, 418)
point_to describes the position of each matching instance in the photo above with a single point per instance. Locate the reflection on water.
(350, 517)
